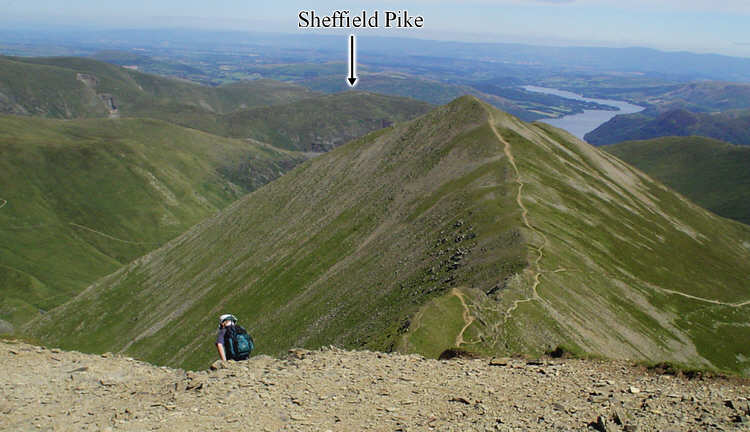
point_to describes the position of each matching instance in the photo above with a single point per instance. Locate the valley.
(99, 193)
(580, 124)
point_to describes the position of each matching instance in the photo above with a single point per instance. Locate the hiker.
(232, 341)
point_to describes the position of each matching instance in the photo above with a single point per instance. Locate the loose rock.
(339, 390)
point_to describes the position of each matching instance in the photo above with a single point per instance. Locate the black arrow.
(352, 63)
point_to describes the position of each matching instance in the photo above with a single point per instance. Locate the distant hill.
(314, 124)
(286, 115)
(72, 87)
(398, 84)
(321, 123)
(732, 127)
(704, 96)
(712, 173)
(80, 198)
(464, 228)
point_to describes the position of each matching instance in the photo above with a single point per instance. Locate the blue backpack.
(238, 343)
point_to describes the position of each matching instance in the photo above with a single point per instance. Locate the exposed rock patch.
(88, 80)
(91, 81)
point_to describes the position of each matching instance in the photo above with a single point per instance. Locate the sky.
(717, 26)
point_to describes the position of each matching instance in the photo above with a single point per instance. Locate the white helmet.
(225, 317)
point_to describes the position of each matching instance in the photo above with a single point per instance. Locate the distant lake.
(581, 124)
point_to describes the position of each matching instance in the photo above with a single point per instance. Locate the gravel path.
(350, 391)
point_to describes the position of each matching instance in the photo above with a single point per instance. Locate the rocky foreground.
(339, 390)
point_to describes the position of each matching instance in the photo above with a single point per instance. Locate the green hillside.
(463, 227)
(732, 127)
(33, 89)
(81, 198)
(712, 173)
(286, 115)
(321, 123)
(72, 87)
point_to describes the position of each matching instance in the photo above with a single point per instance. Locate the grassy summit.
(463, 227)
(81, 198)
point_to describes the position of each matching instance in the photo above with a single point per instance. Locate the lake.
(581, 124)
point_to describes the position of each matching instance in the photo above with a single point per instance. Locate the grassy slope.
(714, 174)
(45, 90)
(50, 87)
(618, 249)
(732, 127)
(368, 245)
(86, 196)
(321, 123)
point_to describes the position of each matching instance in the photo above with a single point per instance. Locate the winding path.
(716, 302)
(525, 217)
(467, 316)
(540, 249)
(107, 235)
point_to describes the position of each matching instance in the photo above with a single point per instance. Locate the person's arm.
(220, 344)
(222, 354)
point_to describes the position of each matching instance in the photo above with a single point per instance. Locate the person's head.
(226, 320)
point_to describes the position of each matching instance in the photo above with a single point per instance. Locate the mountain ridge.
(548, 241)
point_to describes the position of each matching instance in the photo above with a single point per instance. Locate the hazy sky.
(719, 26)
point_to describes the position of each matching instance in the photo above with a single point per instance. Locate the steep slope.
(732, 127)
(71, 87)
(321, 123)
(712, 173)
(80, 198)
(463, 227)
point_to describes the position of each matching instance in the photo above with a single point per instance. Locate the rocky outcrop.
(91, 81)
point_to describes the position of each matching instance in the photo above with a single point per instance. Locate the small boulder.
(502, 361)
(218, 364)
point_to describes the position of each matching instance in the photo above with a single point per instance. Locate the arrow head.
(352, 81)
